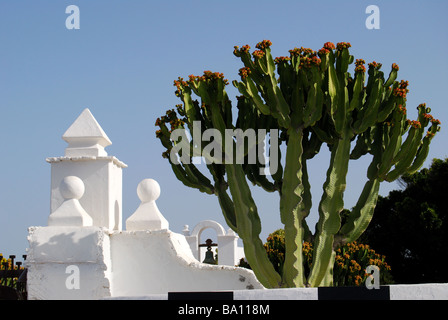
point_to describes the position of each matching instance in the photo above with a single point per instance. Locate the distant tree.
(410, 226)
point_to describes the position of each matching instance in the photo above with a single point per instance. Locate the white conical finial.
(70, 213)
(85, 137)
(147, 216)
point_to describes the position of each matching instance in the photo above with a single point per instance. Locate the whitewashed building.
(85, 253)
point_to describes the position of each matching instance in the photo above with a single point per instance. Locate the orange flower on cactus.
(400, 92)
(343, 45)
(329, 46)
(244, 72)
(323, 51)
(263, 44)
(402, 109)
(404, 84)
(179, 83)
(416, 124)
(281, 59)
(258, 54)
(360, 69)
(375, 65)
(244, 49)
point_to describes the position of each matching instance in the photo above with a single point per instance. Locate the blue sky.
(121, 64)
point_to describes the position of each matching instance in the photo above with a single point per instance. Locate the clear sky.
(121, 64)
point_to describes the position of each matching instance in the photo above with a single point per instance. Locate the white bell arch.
(227, 242)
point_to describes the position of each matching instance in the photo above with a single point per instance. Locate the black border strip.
(323, 293)
(216, 295)
(353, 293)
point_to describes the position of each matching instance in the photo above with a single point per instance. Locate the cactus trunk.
(249, 228)
(291, 213)
(330, 207)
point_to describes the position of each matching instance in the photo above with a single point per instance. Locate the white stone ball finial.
(72, 187)
(148, 190)
(147, 216)
(70, 212)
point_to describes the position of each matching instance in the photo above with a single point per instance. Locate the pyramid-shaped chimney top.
(85, 137)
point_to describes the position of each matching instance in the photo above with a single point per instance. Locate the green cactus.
(305, 100)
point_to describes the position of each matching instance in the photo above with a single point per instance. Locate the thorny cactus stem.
(311, 99)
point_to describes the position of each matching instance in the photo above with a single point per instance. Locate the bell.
(209, 257)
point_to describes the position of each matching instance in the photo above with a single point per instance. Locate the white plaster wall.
(157, 262)
(429, 291)
(53, 249)
(227, 250)
(115, 199)
(103, 188)
(277, 294)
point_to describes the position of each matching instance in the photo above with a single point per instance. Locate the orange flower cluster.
(351, 261)
(258, 54)
(308, 57)
(414, 123)
(180, 83)
(263, 44)
(296, 52)
(436, 121)
(323, 52)
(402, 109)
(360, 66)
(208, 76)
(6, 264)
(307, 62)
(275, 249)
(244, 72)
(404, 84)
(427, 116)
(329, 46)
(375, 65)
(238, 52)
(399, 92)
(343, 45)
(281, 59)
(402, 90)
(395, 66)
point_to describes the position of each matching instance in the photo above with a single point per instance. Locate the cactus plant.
(305, 100)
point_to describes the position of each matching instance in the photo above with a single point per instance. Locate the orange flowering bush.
(350, 263)
(275, 248)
